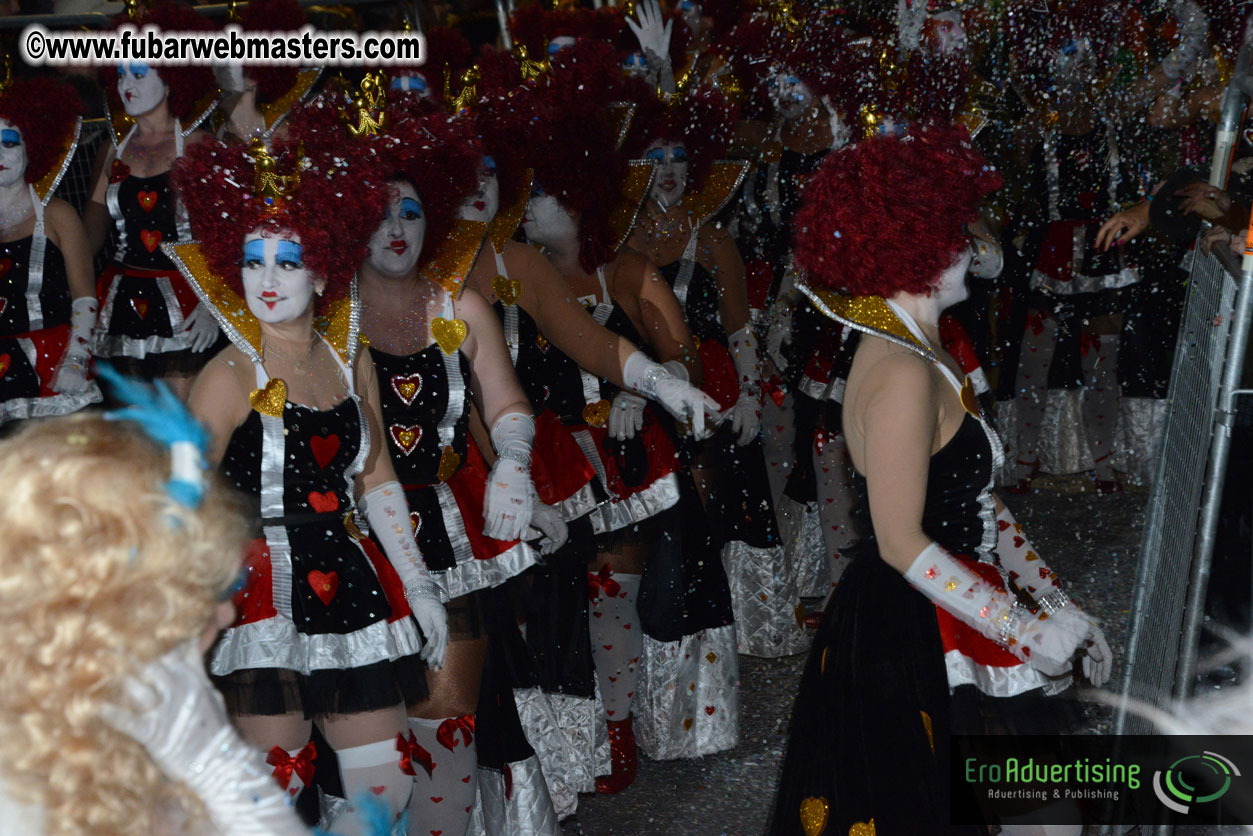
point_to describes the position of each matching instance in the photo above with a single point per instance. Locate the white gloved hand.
(745, 418)
(387, 512)
(1193, 38)
(746, 412)
(510, 497)
(653, 35)
(841, 131)
(201, 328)
(176, 714)
(1046, 642)
(71, 374)
(678, 397)
(548, 526)
(626, 416)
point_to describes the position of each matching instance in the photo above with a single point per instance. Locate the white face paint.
(397, 243)
(635, 65)
(949, 33)
(411, 84)
(691, 15)
(547, 223)
(1074, 65)
(230, 77)
(559, 43)
(950, 288)
(670, 159)
(140, 88)
(12, 155)
(791, 96)
(485, 202)
(277, 284)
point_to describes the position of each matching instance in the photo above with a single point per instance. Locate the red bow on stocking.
(772, 388)
(447, 732)
(1035, 322)
(284, 764)
(602, 582)
(410, 750)
(1089, 342)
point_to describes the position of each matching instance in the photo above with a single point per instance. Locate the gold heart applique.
(814, 815)
(270, 400)
(449, 334)
(862, 828)
(449, 461)
(507, 290)
(596, 414)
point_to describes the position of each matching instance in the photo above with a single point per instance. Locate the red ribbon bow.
(447, 732)
(1088, 342)
(603, 582)
(1036, 323)
(284, 764)
(772, 388)
(410, 750)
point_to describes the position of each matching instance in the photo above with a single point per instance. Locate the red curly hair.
(422, 143)
(187, 85)
(503, 117)
(888, 213)
(445, 47)
(272, 16)
(45, 128)
(335, 193)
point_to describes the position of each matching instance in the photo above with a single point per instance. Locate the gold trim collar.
(870, 314)
(720, 185)
(276, 111)
(452, 261)
(502, 227)
(636, 187)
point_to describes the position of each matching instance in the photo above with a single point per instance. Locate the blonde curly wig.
(102, 573)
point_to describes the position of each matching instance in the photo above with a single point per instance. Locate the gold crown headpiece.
(461, 103)
(270, 188)
(783, 14)
(7, 81)
(366, 113)
(134, 11)
(532, 70)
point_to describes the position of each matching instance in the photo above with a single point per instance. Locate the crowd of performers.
(551, 378)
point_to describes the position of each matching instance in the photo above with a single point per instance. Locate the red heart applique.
(147, 200)
(406, 437)
(140, 306)
(378, 790)
(151, 239)
(4, 363)
(1001, 525)
(407, 386)
(608, 647)
(324, 448)
(465, 780)
(709, 709)
(325, 585)
(5, 264)
(1018, 542)
(324, 502)
(119, 172)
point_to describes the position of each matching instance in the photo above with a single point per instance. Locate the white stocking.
(1033, 386)
(442, 800)
(376, 789)
(835, 501)
(1100, 401)
(617, 642)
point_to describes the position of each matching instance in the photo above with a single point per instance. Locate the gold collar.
(501, 228)
(869, 314)
(719, 186)
(452, 261)
(635, 190)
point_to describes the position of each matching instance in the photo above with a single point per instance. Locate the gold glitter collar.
(276, 111)
(454, 258)
(622, 113)
(869, 314)
(720, 184)
(502, 227)
(635, 190)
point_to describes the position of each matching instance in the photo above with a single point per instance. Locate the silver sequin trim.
(527, 810)
(764, 600)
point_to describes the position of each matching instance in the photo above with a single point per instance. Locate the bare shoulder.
(472, 306)
(221, 388)
(61, 216)
(525, 256)
(887, 374)
(198, 135)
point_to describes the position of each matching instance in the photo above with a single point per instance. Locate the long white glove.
(177, 715)
(548, 526)
(654, 40)
(1193, 32)
(678, 397)
(510, 498)
(71, 375)
(1047, 642)
(201, 328)
(387, 512)
(1038, 580)
(626, 417)
(746, 412)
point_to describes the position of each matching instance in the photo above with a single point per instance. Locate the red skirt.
(639, 473)
(563, 476)
(142, 312)
(28, 364)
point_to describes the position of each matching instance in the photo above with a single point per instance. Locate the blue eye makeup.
(139, 70)
(414, 83)
(10, 138)
(489, 164)
(657, 155)
(254, 252)
(791, 79)
(553, 49)
(679, 155)
(537, 190)
(410, 209)
(289, 254)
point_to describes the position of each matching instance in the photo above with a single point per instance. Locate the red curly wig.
(421, 143)
(888, 213)
(45, 127)
(445, 48)
(703, 121)
(187, 85)
(335, 193)
(503, 117)
(534, 26)
(272, 16)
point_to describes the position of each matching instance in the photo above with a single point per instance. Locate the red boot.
(622, 758)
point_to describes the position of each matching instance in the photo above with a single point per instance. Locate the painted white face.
(140, 88)
(691, 14)
(230, 77)
(547, 223)
(949, 33)
(951, 288)
(670, 159)
(559, 43)
(277, 284)
(791, 96)
(12, 155)
(411, 84)
(485, 202)
(1074, 65)
(635, 65)
(397, 243)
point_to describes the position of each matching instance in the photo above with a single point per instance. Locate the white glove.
(1046, 642)
(552, 531)
(746, 412)
(652, 34)
(626, 417)
(841, 131)
(177, 715)
(678, 397)
(201, 328)
(387, 512)
(510, 498)
(1193, 31)
(71, 375)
